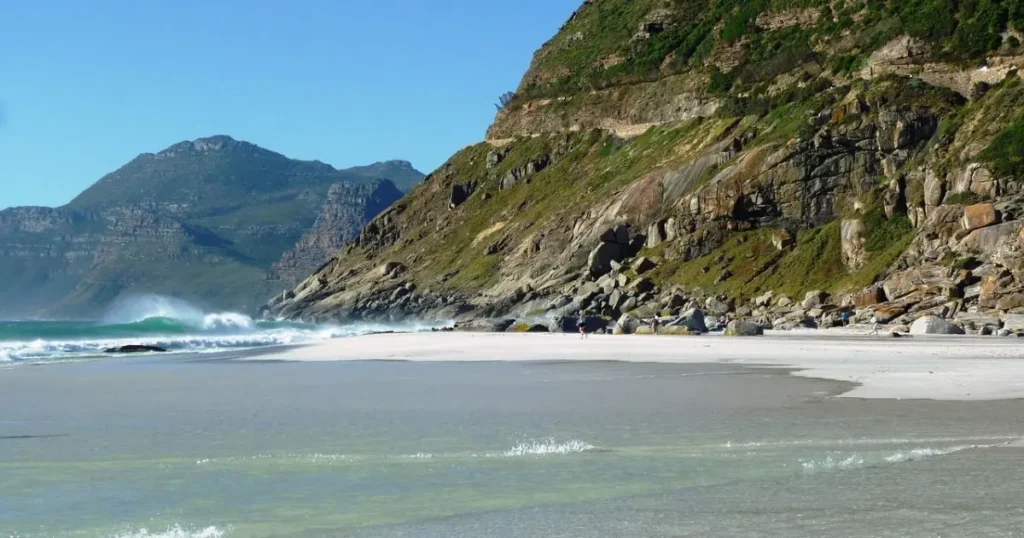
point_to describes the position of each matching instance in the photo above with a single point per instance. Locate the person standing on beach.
(582, 326)
(875, 326)
(655, 323)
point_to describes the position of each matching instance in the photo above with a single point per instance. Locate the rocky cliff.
(347, 207)
(781, 160)
(204, 220)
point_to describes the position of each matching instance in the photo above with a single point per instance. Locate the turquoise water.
(157, 321)
(187, 447)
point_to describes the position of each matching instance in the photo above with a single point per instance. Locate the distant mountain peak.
(399, 163)
(205, 144)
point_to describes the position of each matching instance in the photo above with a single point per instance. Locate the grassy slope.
(847, 31)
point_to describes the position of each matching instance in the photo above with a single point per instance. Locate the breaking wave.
(538, 448)
(176, 531)
(163, 322)
(548, 447)
(866, 441)
(844, 462)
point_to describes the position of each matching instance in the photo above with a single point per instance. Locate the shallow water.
(186, 447)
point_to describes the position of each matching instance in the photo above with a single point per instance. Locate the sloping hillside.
(781, 160)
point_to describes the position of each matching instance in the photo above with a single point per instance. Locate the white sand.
(937, 368)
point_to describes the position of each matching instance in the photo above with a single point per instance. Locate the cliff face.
(776, 159)
(202, 220)
(346, 209)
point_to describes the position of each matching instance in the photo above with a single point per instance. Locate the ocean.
(190, 446)
(164, 322)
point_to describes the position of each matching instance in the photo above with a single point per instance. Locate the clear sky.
(85, 86)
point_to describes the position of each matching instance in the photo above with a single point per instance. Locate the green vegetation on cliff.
(611, 42)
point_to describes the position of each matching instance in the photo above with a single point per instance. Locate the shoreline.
(961, 368)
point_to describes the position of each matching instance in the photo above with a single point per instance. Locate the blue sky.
(87, 86)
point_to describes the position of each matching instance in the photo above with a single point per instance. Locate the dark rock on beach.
(136, 349)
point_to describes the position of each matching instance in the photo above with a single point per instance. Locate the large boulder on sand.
(743, 328)
(934, 325)
(627, 324)
(692, 319)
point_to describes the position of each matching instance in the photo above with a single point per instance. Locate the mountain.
(779, 160)
(204, 220)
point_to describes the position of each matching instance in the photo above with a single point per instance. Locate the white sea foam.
(867, 441)
(833, 462)
(924, 453)
(136, 308)
(537, 447)
(547, 447)
(227, 321)
(176, 531)
(844, 462)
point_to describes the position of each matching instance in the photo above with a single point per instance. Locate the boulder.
(622, 234)
(934, 325)
(853, 236)
(869, 297)
(643, 264)
(527, 327)
(676, 301)
(485, 325)
(1010, 301)
(616, 299)
(665, 331)
(990, 238)
(692, 319)
(390, 270)
(627, 324)
(934, 189)
(134, 348)
(783, 239)
(641, 285)
(743, 328)
(568, 324)
(813, 299)
(888, 313)
(1013, 322)
(764, 300)
(601, 258)
(656, 234)
(979, 216)
(716, 306)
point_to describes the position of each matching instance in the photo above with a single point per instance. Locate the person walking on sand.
(875, 326)
(655, 323)
(582, 326)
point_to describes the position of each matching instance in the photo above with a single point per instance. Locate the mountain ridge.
(205, 220)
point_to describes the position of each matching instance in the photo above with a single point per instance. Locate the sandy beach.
(933, 368)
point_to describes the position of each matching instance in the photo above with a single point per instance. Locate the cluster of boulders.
(939, 290)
